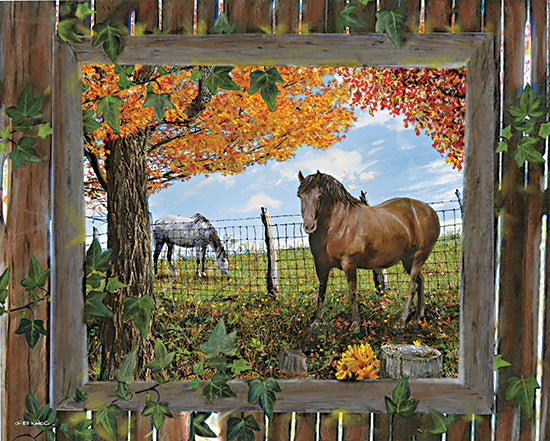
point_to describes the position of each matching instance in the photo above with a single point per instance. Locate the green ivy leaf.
(79, 396)
(391, 21)
(522, 389)
(125, 373)
(24, 151)
(525, 125)
(106, 417)
(220, 79)
(138, 309)
(266, 81)
(83, 431)
(5, 133)
(499, 362)
(109, 35)
(218, 387)
(219, 362)
(113, 284)
(507, 132)
(4, 280)
(95, 306)
(242, 429)
(163, 358)
(198, 368)
(159, 103)
(196, 74)
(219, 342)
(37, 277)
(239, 366)
(44, 130)
(157, 411)
(88, 121)
(530, 104)
(3, 147)
(544, 131)
(82, 10)
(516, 113)
(31, 405)
(194, 384)
(222, 26)
(32, 330)
(400, 403)
(264, 392)
(66, 32)
(96, 258)
(124, 71)
(440, 422)
(24, 126)
(502, 146)
(527, 151)
(199, 427)
(28, 106)
(108, 107)
(348, 18)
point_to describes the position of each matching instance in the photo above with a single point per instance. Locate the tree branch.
(94, 163)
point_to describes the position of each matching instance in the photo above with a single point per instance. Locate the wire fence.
(245, 242)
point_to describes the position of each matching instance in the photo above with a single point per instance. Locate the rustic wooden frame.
(471, 392)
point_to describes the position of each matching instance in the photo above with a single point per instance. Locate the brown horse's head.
(310, 199)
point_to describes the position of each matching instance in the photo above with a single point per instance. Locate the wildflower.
(358, 361)
(416, 342)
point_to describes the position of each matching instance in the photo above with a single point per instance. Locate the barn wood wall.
(522, 198)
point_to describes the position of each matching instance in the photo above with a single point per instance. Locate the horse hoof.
(398, 328)
(355, 327)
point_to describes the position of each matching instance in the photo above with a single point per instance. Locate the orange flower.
(358, 361)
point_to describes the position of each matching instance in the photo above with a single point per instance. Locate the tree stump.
(414, 361)
(292, 361)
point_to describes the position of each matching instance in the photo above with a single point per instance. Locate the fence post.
(271, 276)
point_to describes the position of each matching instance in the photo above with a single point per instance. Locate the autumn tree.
(432, 101)
(147, 127)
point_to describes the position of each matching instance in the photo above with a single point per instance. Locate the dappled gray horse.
(196, 232)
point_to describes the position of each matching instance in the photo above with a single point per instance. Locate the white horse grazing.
(196, 232)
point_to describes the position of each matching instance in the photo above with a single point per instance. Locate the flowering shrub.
(358, 362)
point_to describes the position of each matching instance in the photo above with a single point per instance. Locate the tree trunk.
(129, 239)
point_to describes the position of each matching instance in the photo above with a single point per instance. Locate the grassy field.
(189, 306)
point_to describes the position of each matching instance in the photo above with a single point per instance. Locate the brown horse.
(347, 234)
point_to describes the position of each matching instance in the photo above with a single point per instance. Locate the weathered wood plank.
(460, 429)
(68, 347)
(279, 427)
(356, 426)
(334, 7)
(175, 429)
(146, 12)
(287, 17)
(450, 50)
(328, 426)
(140, 427)
(177, 16)
(381, 427)
(545, 386)
(25, 59)
(412, 7)
(438, 15)
(468, 16)
(206, 15)
(255, 18)
(305, 426)
(314, 16)
(483, 429)
(535, 201)
(513, 318)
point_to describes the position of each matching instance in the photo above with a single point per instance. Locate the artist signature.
(32, 423)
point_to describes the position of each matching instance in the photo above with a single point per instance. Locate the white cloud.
(225, 181)
(378, 142)
(434, 182)
(256, 201)
(380, 118)
(407, 146)
(343, 165)
(375, 150)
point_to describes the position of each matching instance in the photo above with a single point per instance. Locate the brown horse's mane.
(330, 188)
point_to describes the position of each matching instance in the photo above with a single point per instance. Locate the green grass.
(189, 306)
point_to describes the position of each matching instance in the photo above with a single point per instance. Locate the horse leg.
(351, 277)
(198, 257)
(322, 275)
(169, 256)
(419, 314)
(158, 247)
(380, 279)
(203, 256)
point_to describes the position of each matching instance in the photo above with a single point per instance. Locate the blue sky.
(378, 156)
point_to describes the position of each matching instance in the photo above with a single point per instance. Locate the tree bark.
(129, 239)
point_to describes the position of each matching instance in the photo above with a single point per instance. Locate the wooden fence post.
(272, 285)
